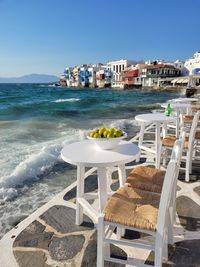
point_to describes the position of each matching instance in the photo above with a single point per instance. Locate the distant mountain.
(31, 78)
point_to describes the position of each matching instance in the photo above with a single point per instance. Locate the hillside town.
(126, 74)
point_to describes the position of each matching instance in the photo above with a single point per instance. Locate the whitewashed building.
(117, 67)
(193, 64)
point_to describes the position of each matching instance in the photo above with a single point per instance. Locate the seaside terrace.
(137, 204)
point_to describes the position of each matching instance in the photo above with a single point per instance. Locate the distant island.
(31, 78)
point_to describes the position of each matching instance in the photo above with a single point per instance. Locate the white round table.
(180, 108)
(158, 119)
(86, 154)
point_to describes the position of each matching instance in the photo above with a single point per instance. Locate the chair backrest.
(193, 131)
(166, 194)
(178, 147)
(176, 157)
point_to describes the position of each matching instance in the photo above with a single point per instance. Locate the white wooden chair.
(151, 179)
(154, 179)
(188, 147)
(138, 210)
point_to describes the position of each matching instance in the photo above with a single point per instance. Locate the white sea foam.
(27, 163)
(8, 193)
(67, 100)
(123, 123)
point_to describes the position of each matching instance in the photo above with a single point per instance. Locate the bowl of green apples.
(106, 138)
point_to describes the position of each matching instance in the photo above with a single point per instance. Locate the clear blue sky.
(44, 36)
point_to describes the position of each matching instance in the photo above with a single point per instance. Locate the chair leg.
(171, 226)
(187, 169)
(100, 242)
(190, 161)
(158, 257)
(164, 155)
(120, 232)
(165, 251)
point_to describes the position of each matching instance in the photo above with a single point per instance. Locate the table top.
(184, 100)
(177, 105)
(86, 153)
(154, 117)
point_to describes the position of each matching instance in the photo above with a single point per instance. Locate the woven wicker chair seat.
(146, 178)
(197, 135)
(188, 118)
(169, 141)
(195, 108)
(134, 208)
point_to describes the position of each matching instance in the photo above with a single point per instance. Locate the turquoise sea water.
(37, 120)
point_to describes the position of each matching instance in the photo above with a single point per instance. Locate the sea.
(37, 120)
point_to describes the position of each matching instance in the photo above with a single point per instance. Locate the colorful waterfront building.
(117, 67)
(104, 76)
(68, 77)
(130, 77)
(152, 73)
(84, 76)
(92, 75)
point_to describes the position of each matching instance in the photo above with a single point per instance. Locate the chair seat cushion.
(195, 108)
(134, 208)
(188, 118)
(169, 141)
(146, 178)
(197, 135)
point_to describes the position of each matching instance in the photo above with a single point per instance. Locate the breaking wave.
(66, 100)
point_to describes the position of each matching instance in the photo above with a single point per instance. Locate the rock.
(188, 213)
(62, 219)
(90, 254)
(33, 236)
(90, 185)
(31, 258)
(182, 254)
(197, 190)
(66, 248)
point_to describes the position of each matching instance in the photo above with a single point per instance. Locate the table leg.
(141, 136)
(102, 188)
(164, 129)
(109, 179)
(79, 193)
(122, 175)
(189, 111)
(158, 147)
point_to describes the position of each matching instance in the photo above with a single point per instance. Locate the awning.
(174, 81)
(185, 80)
(180, 80)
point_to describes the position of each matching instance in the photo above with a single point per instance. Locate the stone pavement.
(53, 239)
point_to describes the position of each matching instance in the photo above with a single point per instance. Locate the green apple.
(112, 130)
(110, 135)
(101, 131)
(119, 133)
(105, 133)
(96, 135)
(91, 134)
